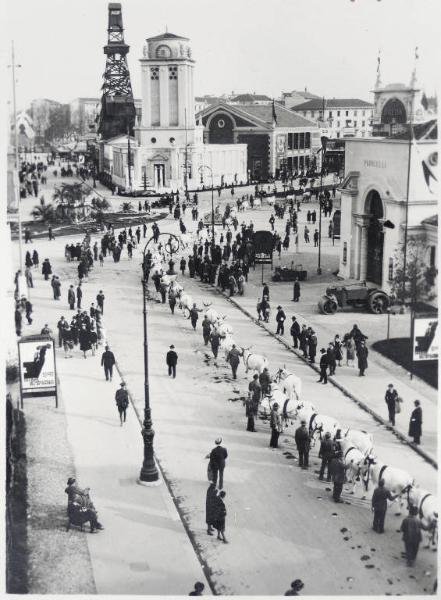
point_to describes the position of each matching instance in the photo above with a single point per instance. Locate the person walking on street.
(218, 456)
(276, 426)
(391, 400)
(379, 505)
(71, 297)
(312, 346)
(324, 363)
(107, 361)
(303, 339)
(280, 318)
(411, 529)
(193, 316)
(415, 423)
(295, 588)
(61, 325)
(332, 362)
(362, 354)
(350, 352)
(28, 311)
(172, 301)
(306, 234)
(206, 330)
(295, 332)
(326, 453)
(122, 402)
(28, 275)
(234, 359)
(172, 360)
(338, 475)
(265, 292)
(302, 443)
(210, 505)
(221, 513)
(100, 301)
(296, 290)
(316, 238)
(50, 233)
(46, 269)
(215, 343)
(252, 402)
(79, 295)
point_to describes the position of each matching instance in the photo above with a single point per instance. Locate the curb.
(429, 459)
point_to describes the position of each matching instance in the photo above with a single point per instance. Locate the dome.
(167, 46)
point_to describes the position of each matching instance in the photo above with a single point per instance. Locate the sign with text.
(38, 375)
(425, 338)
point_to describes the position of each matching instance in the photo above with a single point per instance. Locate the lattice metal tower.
(117, 106)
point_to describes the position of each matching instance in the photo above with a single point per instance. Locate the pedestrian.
(218, 457)
(331, 358)
(61, 325)
(95, 251)
(221, 513)
(362, 354)
(215, 343)
(193, 316)
(107, 361)
(391, 400)
(411, 528)
(306, 235)
(338, 350)
(326, 453)
(265, 292)
(210, 505)
(35, 259)
(234, 359)
(295, 331)
(85, 340)
(46, 269)
(312, 346)
(303, 338)
(271, 221)
(296, 290)
(276, 426)
(182, 265)
(172, 300)
(28, 311)
(100, 301)
(280, 318)
(50, 233)
(71, 297)
(350, 352)
(172, 360)
(101, 259)
(324, 363)
(79, 295)
(302, 442)
(198, 588)
(415, 423)
(206, 330)
(316, 238)
(28, 276)
(379, 505)
(252, 402)
(338, 475)
(295, 588)
(122, 402)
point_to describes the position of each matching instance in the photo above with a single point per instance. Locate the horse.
(427, 511)
(288, 406)
(253, 362)
(291, 384)
(318, 424)
(396, 480)
(355, 462)
(362, 440)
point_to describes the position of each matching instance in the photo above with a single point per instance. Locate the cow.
(397, 481)
(253, 362)
(362, 440)
(427, 511)
(290, 383)
(355, 462)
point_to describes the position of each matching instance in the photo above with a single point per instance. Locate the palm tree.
(127, 207)
(44, 214)
(69, 196)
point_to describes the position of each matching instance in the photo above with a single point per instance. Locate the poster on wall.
(425, 338)
(280, 145)
(38, 375)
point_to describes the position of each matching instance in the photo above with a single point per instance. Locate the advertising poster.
(37, 365)
(425, 338)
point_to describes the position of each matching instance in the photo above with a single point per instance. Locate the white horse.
(290, 383)
(428, 512)
(318, 424)
(254, 362)
(363, 440)
(185, 302)
(398, 481)
(355, 462)
(227, 344)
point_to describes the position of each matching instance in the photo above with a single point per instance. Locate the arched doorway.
(221, 129)
(393, 112)
(375, 238)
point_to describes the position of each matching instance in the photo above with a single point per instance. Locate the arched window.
(393, 112)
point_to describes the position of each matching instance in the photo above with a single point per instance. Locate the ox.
(305, 406)
(397, 481)
(222, 328)
(290, 383)
(318, 424)
(227, 344)
(253, 362)
(427, 511)
(212, 315)
(355, 462)
(362, 440)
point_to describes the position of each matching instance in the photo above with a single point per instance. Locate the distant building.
(84, 114)
(285, 144)
(250, 99)
(294, 98)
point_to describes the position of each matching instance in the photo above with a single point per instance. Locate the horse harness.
(420, 511)
(382, 470)
(349, 449)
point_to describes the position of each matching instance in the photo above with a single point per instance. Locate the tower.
(117, 106)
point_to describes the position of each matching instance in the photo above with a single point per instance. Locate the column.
(182, 94)
(163, 96)
(362, 256)
(146, 115)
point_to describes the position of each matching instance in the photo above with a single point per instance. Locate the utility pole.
(186, 156)
(129, 157)
(17, 160)
(319, 268)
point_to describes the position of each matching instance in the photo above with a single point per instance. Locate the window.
(348, 123)
(355, 123)
(345, 252)
(296, 141)
(154, 73)
(390, 270)
(289, 162)
(355, 113)
(347, 113)
(289, 141)
(302, 141)
(301, 162)
(338, 113)
(338, 134)
(312, 114)
(307, 140)
(363, 123)
(330, 114)
(173, 72)
(295, 163)
(338, 123)
(363, 113)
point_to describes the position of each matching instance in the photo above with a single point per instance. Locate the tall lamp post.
(201, 169)
(149, 473)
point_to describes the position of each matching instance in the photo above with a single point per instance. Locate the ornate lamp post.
(201, 168)
(149, 473)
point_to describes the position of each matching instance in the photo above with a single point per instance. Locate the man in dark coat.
(303, 338)
(107, 361)
(312, 346)
(234, 359)
(172, 360)
(295, 588)
(295, 332)
(265, 291)
(338, 475)
(100, 300)
(324, 363)
(218, 457)
(210, 507)
(280, 318)
(193, 316)
(252, 402)
(362, 355)
(215, 343)
(302, 442)
(265, 382)
(391, 399)
(122, 402)
(296, 290)
(411, 528)
(206, 330)
(326, 453)
(416, 421)
(71, 297)
(79, 295)
(331, 359)
(379, 506)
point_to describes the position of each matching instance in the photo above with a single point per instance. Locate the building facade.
(296, 97)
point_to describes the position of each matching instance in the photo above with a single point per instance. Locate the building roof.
(167, 36)
(431, 221)
(285, 117)
(250, 98)
(317, 104)
(421, 131)
(209, 99)
(304, 94)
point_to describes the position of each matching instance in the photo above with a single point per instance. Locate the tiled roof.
(166, 36)
(285, 117)
(250, 98)
(317, 104)
(304, 94)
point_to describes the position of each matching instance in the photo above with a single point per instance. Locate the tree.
(127, 207)
(58, 122)
(417, 282)
(70, 198)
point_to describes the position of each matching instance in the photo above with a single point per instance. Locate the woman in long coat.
(85, 341)
(362, 354)
(46, 268)
(350, 351)
(416, 421)
(210, 507)
(28, 259)
(220, 514)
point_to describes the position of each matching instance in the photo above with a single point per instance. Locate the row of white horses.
(362, 465)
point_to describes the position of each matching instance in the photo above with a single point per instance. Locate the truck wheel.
(327, 306)
(378, 302)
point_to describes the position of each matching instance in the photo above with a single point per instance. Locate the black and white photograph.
(212, 211)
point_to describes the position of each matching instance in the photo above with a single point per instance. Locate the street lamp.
(149, 475)
(201, 168)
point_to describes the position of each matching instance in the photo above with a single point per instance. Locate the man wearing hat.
(280, 318)
(338, 470)
(391, 399)
(107, 361)
(122, 401)
(296, 586)
(276, 426)
(77, 495)
(218, 457)
(252, 402)
(326, 453)
(302, 442)
(171, 360)
(324, 362)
